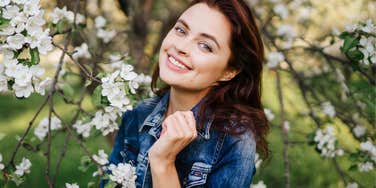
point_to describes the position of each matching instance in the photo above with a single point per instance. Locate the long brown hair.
(236, 104)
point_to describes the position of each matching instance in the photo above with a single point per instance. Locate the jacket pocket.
(198, 174)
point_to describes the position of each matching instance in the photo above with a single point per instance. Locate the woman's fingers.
(180, 126)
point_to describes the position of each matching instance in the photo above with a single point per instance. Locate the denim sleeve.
(125, 149)
(235, 167)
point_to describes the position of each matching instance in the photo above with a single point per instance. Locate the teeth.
(173, 61)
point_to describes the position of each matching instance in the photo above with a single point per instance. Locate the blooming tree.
(334, 83)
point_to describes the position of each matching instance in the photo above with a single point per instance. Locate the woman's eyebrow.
(201, 34)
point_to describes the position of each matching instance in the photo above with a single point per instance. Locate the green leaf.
(110, 184)
(349, 43)
(84, 163)
(97, 96)
(343, 35)
(353, 167)
(60, 26)
(68, 90)
(34, 53)
(355, 55)
(3, 21)
(87, 83)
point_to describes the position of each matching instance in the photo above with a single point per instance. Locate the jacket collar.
(154, 120)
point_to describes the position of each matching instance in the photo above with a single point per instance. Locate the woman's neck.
(183, 100)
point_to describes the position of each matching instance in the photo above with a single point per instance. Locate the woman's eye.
(206, 47)
(179, 30)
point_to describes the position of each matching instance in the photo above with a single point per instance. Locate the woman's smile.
(174, 64)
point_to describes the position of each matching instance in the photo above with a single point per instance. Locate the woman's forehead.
(201, 18)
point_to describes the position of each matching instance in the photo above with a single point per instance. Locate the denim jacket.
(213, 159)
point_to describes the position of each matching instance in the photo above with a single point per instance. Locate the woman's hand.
(178, 130)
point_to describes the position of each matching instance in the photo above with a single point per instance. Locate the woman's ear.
(228, 75)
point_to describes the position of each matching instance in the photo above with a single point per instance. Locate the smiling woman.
(203, 127)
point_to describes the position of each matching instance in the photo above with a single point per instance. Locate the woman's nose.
(182, 47)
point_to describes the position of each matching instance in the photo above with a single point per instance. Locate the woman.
(203, 127)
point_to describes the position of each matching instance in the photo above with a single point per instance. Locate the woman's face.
(194, 54)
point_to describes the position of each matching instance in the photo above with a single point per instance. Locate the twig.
(284, 132)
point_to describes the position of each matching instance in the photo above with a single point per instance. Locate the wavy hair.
(236, 104)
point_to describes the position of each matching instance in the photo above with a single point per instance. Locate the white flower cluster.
(260, 184)
(23, 167)
(326, 142)
(370, 149)
(328, 109)
(73, 185)
(352, 185)
(105, 120)
(101, 158)
(281, 10)
(269, 114)
(26, 79)
(258, 160)
(114, 86)
(359, 131)
(83, 128)
(105, 34)
(61, 14)
(25, 26)
(367, 43)
(42, 129)
(274, 59)
(1, 164)
(81, 52)
(124, 174)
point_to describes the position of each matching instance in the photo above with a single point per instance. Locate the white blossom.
(81, 52)
(23, 90)
(359, 131)
(269, 114)
(8, 30)
(351, 28)
(274, 59)
(3, 83)
(23, 167)
(83, 128)
(31, 7)
(106, 35)
(20, 1)
(369, 27)
(40, 87)
(365, 167)
(1, 164)
(42, 129)
(281, 10)
(325, 140)
(368, 147)
(258, 160)
(124, 174)
(11, 67)
(328, 109)
(16, 41)
(19, 22)
(101, 158)
(127, 72)
(4, 3)
(100, 22)
(287, 31)
(58, 14)
(352, 185)
(34, 24)
(10, 12)
(260, 184)
(73, 185)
